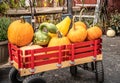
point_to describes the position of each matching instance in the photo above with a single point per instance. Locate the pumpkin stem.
(81, 13)
(22, 19)
(59, 34)
(73, 21)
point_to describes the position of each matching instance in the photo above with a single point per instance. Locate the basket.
(3, 51)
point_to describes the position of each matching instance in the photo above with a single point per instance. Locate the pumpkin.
(80, 23)
(94, 33)
(58, 41)
(110, 33)
(77, 34)
(20, 32)
(31, 47)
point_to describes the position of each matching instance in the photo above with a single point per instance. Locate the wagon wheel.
(92, 66)
(14, 76)
(99, 71)
(73, 70)
(36, 78)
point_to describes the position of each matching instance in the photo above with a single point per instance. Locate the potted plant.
(4, 23)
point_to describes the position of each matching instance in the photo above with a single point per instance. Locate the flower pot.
(3, 51)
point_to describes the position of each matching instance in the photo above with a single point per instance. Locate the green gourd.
(41, 37)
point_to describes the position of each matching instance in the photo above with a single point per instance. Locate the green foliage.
(4, 24)
(14, 4)
(4, 7)
(115, 18)
(22, 3)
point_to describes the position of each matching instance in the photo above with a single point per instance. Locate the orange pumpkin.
(80, 23)
(77, 34)
(94, 33)
(20, 33)
(58, 41)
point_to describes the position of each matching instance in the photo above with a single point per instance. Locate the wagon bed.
(50, 58)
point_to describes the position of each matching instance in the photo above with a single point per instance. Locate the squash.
(41, 37)
(110, 32)
(80, 23)
(31, 47)
(58, 41)
(63, 26)
(77, 33)
(20, 32)
(94, 33)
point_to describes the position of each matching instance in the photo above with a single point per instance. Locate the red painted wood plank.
(85, 49)
(83, 55)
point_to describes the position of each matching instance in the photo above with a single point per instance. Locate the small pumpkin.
(77, 34)
(80, 23)
(58, 41)
(20, 32)
(94, 33)
(110, 32)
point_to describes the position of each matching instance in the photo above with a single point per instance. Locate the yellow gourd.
(63, 26)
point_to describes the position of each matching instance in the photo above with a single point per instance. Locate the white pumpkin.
(110, 33)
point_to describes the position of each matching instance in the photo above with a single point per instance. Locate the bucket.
(3, 51)
(28, 19)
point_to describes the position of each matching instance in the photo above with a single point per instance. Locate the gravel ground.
(111, 61)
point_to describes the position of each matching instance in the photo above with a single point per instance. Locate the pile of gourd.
(22, 34)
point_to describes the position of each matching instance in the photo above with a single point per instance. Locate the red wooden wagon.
(30, 64)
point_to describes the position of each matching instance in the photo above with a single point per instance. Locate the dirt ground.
(111, 62)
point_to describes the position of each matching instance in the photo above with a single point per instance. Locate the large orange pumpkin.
(20, 33)
(94, 33)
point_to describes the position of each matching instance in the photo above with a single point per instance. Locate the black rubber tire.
(73, 71)
(99, 72)
(14, 76)
(92, 66)
(36, 78)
